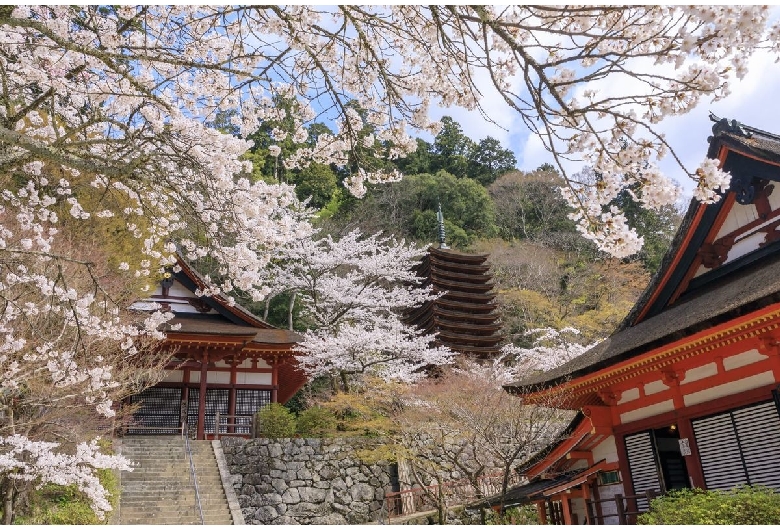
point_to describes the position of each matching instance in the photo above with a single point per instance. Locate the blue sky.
(754, 101)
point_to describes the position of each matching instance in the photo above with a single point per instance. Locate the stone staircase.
(160, 491)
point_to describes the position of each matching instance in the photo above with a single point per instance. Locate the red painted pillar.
(202, 398)
(542, 512)
(275, 381)
(692, 461)
(232, 395)
(566, 504)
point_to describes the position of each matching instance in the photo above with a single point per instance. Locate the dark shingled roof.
(527, 492)
(750, 288)
(565, 433)
(217, 325)
(745, 139)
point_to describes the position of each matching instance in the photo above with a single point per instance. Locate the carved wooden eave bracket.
(768, 344)
(670, 377)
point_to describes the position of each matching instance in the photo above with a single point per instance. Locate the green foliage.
(530, 206)
(317, 182)
(451, 149)
(488, 161)
(457, 154)
(275, 421)
(523, 515)
(656, 227)
(315, 422)
(742, 505)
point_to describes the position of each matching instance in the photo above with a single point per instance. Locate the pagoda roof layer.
(457, 257)
(463, 318)
(466, 287)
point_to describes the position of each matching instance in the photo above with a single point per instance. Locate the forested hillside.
(546, 273)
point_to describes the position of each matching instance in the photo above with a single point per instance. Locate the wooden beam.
(580, 455)
(600, 418)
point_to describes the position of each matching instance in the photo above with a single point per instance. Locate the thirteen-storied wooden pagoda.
(464, 318)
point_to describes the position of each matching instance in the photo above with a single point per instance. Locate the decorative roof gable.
(209, 315)
(719, 239)
(724, 261)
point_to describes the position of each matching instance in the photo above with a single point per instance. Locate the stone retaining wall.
(306, 480)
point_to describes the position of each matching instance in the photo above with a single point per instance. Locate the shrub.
(275, 421)
(741, 505)
(518, 515)
(315, 422)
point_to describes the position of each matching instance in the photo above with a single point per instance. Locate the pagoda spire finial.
(440, 218)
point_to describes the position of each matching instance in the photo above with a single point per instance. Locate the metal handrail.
(193, 476)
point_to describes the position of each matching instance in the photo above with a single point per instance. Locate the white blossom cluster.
(39, 462)
(551, 349)
(120, 97)
(354, 290)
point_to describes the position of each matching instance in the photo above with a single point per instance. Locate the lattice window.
(159, 412)
(740, 446)
(249, 402)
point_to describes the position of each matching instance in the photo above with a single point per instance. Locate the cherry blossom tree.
(353, 291)
(466, 425)
(103, 123)
(123, 93)
(551, 348)
(67, 353)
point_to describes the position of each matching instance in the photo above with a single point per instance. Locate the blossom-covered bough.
(124, 92)
(104, 138)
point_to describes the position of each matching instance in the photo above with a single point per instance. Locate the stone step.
(169, 465)
(160, 485)
(180, 476)
(149, 500)
(160, 490)
(185, 498)
(182, 508)
(192, 518)
(131, 514)
(188, 521)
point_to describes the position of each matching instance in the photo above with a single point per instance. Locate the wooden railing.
(626, 507)
(230, 427)
(421, 499)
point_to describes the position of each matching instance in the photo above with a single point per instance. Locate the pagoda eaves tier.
(464, 317)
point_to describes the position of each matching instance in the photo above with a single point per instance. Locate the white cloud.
(753, 101)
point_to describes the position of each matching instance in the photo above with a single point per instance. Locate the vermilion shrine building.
(684, 394)
(226, 360)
